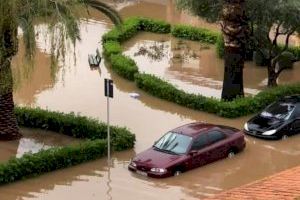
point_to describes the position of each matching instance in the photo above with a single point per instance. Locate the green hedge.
(49, 160)
(55, 158)
(74, 126)
(239, 107)
(154, 26)
(220, 46)
(112, 47)
(124, 66)
(164, 90)
(132, 26)
(123, 33)
(195, 34)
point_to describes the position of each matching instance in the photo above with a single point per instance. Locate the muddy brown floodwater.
(77, 88)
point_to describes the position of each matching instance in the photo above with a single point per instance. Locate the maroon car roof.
(194, 129)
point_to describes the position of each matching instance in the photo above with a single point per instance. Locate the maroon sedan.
(188, 147)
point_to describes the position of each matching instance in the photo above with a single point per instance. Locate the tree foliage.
(268, 20)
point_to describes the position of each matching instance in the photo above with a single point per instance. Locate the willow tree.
(16, 14)
(234, 25)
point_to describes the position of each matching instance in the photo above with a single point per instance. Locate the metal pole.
(108, 130)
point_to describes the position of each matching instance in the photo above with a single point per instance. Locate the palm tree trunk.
(233, 83)
(8, 47)
(235, 30)
(8, 124)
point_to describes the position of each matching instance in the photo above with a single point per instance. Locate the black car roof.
(295, 99)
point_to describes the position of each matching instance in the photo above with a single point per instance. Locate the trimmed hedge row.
(195, 34)
(55, 158)
(155, 86)
(154, 26)
(239, 107)
(112, 47)
(31, 165)
(74, 126)
(124, 66)
(132, 26)
(120, 34)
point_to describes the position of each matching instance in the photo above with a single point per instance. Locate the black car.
(279, 120)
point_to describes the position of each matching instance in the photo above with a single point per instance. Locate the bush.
(74, 126)
(286, 60)
(259, 57)
(220, 47)
(295, 51)
(154, 26)
(112, 47)
(195, 34)
(52, 159)
(49, 160)
(129, 28)
(238, 107)
(162, 89)
(124, 66)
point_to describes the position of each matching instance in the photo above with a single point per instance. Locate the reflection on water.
(79, 89)
(32, 142)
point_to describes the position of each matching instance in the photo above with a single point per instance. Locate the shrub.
(49, 160)
(220, 47)
(52, 159)
(162, 89)
(129, 28)
(195, 34)
(239, 107)
(124, 66)
(112, 47)
(295, 51)
(259, 57)
(74, 126)
(286, 60)
(155, 26)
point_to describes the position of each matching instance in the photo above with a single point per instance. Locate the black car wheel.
(284, 136)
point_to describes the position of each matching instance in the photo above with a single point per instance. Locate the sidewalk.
(282, 186)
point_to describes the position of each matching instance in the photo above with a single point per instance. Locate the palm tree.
(235, 30)
(21, 13)
(234, 27)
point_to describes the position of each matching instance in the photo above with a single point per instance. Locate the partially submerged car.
(279, 120)
(187, 147)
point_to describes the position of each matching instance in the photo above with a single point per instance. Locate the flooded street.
(74, 87)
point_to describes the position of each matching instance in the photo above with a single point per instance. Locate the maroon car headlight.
(133, 164)
(158, 170)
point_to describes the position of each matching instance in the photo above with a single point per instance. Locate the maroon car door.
(218, 148)
(198, 157)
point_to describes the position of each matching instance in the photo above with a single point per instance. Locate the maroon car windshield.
(174, 143)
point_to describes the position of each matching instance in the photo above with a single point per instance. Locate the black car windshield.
(279, 111)
(174, 143)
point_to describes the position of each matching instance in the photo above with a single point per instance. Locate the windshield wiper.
(165, 150)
